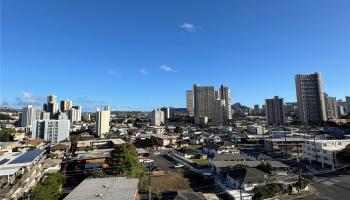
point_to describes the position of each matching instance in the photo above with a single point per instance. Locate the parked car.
(147, 160)
(179, 165)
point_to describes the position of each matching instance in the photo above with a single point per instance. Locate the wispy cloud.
(112, 72)
(28, 98)
(188, 27)
(167, 68)
(143, 72)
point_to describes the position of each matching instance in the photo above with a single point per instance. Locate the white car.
(179, 165)
(147, 160)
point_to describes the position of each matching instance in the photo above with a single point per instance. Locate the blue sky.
(145, 54)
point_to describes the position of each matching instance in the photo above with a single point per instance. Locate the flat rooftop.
(111, 188)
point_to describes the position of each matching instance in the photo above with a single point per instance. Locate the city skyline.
(106, 55)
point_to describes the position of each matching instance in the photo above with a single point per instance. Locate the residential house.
(246, 178)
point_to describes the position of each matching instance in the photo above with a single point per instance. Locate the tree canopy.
(6, 134)
(343, 156)
(50, 188)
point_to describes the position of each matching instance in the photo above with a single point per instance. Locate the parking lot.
(164, 163)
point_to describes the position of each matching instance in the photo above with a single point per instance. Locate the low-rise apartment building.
(19, 172)
(324, 151)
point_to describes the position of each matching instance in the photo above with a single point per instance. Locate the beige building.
(102, 121)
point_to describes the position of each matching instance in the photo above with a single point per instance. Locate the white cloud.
(167, 68)
(143, 72)
(188, 27)
(28, 98)
(27, 95)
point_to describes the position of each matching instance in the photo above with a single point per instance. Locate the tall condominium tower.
(204, 101)
(347, 99)
(157, 117)
(51, 105)
(225, 95)
(311, 105)
(29, 115)
(275, 111)
(66, 105)
(331, 106)
(189, 103)
(74, 114)
(102, 121)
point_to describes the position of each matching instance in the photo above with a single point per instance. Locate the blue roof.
(3, 161)
(28, 156)
(92, 165)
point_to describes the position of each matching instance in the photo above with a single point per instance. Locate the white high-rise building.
(225, 95)
(102, 121)
(74, 114)
(275, 111)
(189, 102)
(29, 115)
(50, 130)
(157, 117)
(331, 106)
(310, 98)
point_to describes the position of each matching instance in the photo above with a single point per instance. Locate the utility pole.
(299, 169)
(285, 143)
(149, 182)
(315, 147)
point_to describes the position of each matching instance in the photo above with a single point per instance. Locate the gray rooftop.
(112, 188)
(222, 164)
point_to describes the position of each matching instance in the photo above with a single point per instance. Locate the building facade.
(53, 131)
(157, 117)
(311, 105)
(189, 103)
(324, 151)
(204, 101)
(225, 95)
(331, 106)
(102, 121)
(275, 111)
(65, 105)
(29, 115)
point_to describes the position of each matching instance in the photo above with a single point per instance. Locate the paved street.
(331, 188)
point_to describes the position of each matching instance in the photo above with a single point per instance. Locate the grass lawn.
(201, 162)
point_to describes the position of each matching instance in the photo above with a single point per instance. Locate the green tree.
(343, 156)
(265, 167)
(98, 173)
(50, 188)
(179, 129)
(123, 162)
(6, 134)
(268, 191)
